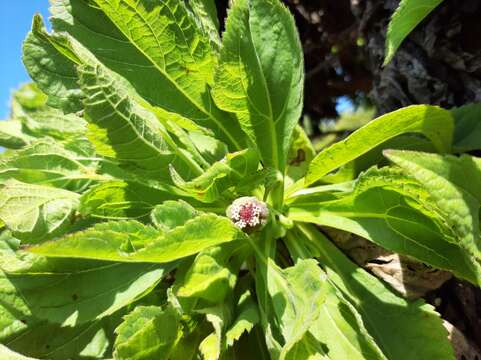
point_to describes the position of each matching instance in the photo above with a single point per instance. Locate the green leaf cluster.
(142, 127)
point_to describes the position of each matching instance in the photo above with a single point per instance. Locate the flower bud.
(248, 213)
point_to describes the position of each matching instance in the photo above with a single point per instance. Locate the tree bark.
(438, 64)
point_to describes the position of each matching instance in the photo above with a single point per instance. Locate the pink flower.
(248, 213)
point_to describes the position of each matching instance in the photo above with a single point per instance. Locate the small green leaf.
(300, 155)
(171, 214)
(404, 20)
(148, 332)
(223, 175)
(433, 122)
(219, 316)
(143, 245)
(247, 318)
(211, 277)
(262, 85)
(34, 213)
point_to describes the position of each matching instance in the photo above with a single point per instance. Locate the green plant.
(146, 137)
(407, 16)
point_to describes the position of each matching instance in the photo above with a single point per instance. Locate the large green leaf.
(33, 212)
(129, 241)
(433, 122)
(402, 329)
(148, 332)
(161, 47)
(455, 186)
(404, 20)
(396, 213)
(46, 162)
(262, 85)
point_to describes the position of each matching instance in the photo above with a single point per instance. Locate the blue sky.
(15, 23)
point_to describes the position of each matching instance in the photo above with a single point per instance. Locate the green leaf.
(162, 43)
(47, 121)
(30, 97)
(123, 130)
(12, 135)
(308, 348)
(171, 214)
(247, 318)
(300, 155)
(219, 316)
(296, 293)
(454, 185)
(34, 213)
(402, 329)
(46, 162)
(75, 297)
(194, 331)
(49, 341)
(467, 127)
(123, 200)
(53, 72)
(148, 332)
(404, 20)
(396, 213)
(262, 85)
(142, 245)
(211, 276)
(433, 122)
(222, 176)
(340, 328)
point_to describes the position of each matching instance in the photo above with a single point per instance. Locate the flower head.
(248, 213)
